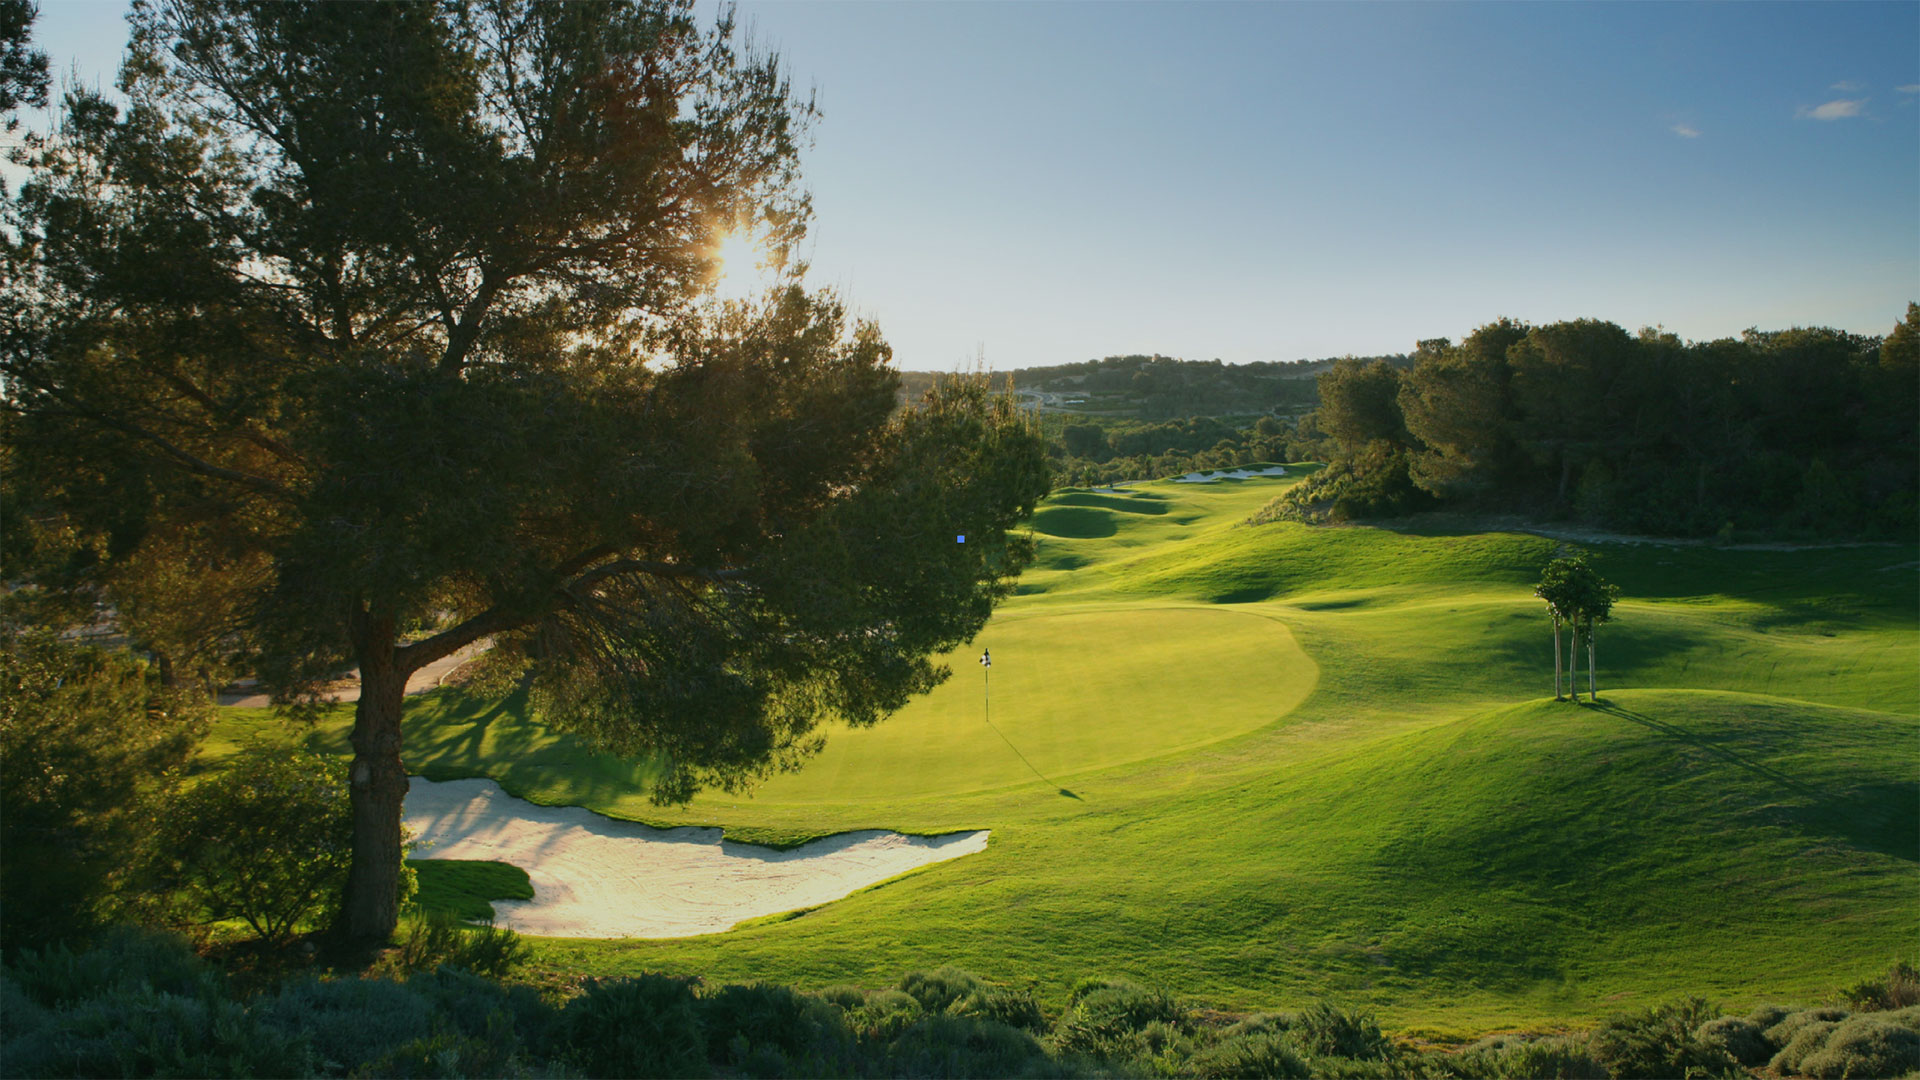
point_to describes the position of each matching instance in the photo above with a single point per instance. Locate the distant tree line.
(1154, 387)
(1807, 431)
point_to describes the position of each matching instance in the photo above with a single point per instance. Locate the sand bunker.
(594, 876)
(1237, 474)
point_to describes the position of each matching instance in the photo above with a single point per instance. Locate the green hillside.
(1262, 764)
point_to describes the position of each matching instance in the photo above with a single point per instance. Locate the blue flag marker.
(961, 539)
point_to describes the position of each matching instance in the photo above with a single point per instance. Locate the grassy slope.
(1412, 830)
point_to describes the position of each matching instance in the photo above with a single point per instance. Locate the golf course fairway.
(1260, 765)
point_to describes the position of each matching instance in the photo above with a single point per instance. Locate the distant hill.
(1163, 387)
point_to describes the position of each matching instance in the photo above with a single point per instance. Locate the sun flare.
(738, 272)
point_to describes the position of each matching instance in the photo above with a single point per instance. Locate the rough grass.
(1415, 831)
(463, 888)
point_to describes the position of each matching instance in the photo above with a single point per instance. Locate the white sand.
(1237, 474)
(594, 876)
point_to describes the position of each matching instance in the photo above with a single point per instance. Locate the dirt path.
(243, 694)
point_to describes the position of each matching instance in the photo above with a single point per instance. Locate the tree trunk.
(1593, 694)
(1573, 664)
(371, 908)
(1556, 657)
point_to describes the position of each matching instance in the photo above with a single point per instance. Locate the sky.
(1041, 183)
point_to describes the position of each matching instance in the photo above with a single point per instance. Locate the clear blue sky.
(1051, 182)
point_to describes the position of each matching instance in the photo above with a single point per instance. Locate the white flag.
(986, 658)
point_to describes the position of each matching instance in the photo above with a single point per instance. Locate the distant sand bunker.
(594, 876)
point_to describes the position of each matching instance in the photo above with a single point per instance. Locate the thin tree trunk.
(1593, 694)
(1556, 657)
(371, 908)
(1573, 664)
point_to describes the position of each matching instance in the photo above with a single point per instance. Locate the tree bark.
(1593, 694)
(378, 787)
(1573, 664)
(1556, 656)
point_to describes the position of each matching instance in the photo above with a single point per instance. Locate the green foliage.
(1807, 1039)
(739, 1020)
(1114, 1019)
(1864, 1048)
(89, 743)
(1660, 1042)
(1372, 484)
(1787, 1028)
(1002, 1005)
(1560, 1058)
(1252, 1056)
(435, 939)
(961, 1046)
(639, 1027)
(1899, 988)
(347, 1021)
(1323, 1029)
(268, 840)
(1740, 1037)
(146, 1032)
(938, 989)
(124, 959)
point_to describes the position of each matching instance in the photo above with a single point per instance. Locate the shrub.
(1766, 1016)
(1324, 1030)
(961, 1046)
(1907, 1017)
(846, 997)
(443, 1054)
(884, 1015)
(1863, 1048)
(1807, 1038)
(1107, 1019)
(1782, 1033)
(1659, 1042)
(267, 841)
(1248, 1057)
(431, 940)
(1739, 1037)
(1014, 1008)
(1530, 1059)
(125, 959)
(640, 1027)
(1897, 989)
(738, 1019)
(348, 1021)
(936, 990)
(88, 739)
(478, 1006)
(145, 1032)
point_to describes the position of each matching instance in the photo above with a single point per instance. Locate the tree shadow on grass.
(1878, 816)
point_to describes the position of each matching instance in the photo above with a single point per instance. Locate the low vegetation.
(144, 1005)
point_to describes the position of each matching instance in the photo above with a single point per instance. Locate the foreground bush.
(1865, 1047)
(145, 1005)
(268, 840)
(89, 739)
(1660, 1042)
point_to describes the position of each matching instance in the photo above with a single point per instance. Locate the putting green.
(1071, 693)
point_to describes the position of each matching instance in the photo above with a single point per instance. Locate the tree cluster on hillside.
(364, 333)
(1808, 431)
(1154, 387)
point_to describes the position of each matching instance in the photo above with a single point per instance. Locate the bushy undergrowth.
(145, 1005)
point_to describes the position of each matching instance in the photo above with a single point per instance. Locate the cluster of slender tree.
(1579, 600)
(1805, 431)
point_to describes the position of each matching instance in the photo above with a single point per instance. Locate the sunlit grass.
(1304, 762)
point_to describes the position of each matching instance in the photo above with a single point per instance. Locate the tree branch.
(191, 462)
